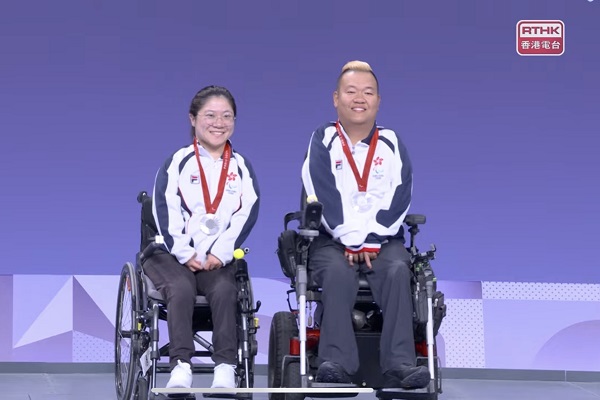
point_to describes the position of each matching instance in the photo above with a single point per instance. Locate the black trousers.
(389, 281)
(179, 287)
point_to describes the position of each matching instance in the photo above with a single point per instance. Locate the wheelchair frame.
(135, 374)
(428, 307)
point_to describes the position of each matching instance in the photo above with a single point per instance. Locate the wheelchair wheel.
(283, 328)
(142, 388)
(126, 335)
(292, 379)
(438, 374)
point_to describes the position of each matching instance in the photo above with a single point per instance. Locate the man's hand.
(365, 256)
(351, 257)
(212, 263)
(193, 264)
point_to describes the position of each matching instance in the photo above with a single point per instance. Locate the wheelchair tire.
(126, 334)
(292, 379)
(283, 328)
(142, 389)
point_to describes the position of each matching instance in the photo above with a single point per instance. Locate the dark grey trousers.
(390, 284)
(179, 287)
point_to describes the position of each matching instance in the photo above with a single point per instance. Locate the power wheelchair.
(294, 336)
(140, 307)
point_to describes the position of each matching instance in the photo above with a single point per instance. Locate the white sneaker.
(224, 376)
(181, 376)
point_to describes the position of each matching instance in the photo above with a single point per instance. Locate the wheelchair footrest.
(178, 396)
(332, 386)
(221, 393)
(313, 384)
(399, 393)
(323, 390)
(228, 395)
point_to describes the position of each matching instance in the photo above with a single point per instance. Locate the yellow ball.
(311, 199)
(238, 254)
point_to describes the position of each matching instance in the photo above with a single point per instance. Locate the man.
(362, 175)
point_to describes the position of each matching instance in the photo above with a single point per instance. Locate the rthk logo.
(540, 38)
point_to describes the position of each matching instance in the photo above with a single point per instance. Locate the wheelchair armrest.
(415, 219)
(309, 217)
(241, 269)
(291, 216)
(151, 248)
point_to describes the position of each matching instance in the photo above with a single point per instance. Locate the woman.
(205, 204)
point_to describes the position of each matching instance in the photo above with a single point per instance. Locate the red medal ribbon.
(360, 180)
(211, 208)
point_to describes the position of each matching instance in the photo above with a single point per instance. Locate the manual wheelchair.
(293, 338)
(140, 307)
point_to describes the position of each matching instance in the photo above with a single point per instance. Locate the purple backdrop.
(94, 97)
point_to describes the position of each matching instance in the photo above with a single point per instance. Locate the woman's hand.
(212, 263)
(193, 264)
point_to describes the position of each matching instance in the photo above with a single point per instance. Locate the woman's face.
(214, 123)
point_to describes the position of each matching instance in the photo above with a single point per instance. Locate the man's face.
(357, 99)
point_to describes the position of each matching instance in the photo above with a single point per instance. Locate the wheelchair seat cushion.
(156, 295)
(363, 284)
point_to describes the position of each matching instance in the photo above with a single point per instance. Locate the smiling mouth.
(358, 109)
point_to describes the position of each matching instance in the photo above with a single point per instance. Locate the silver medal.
(209, 224)
(362, 202)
